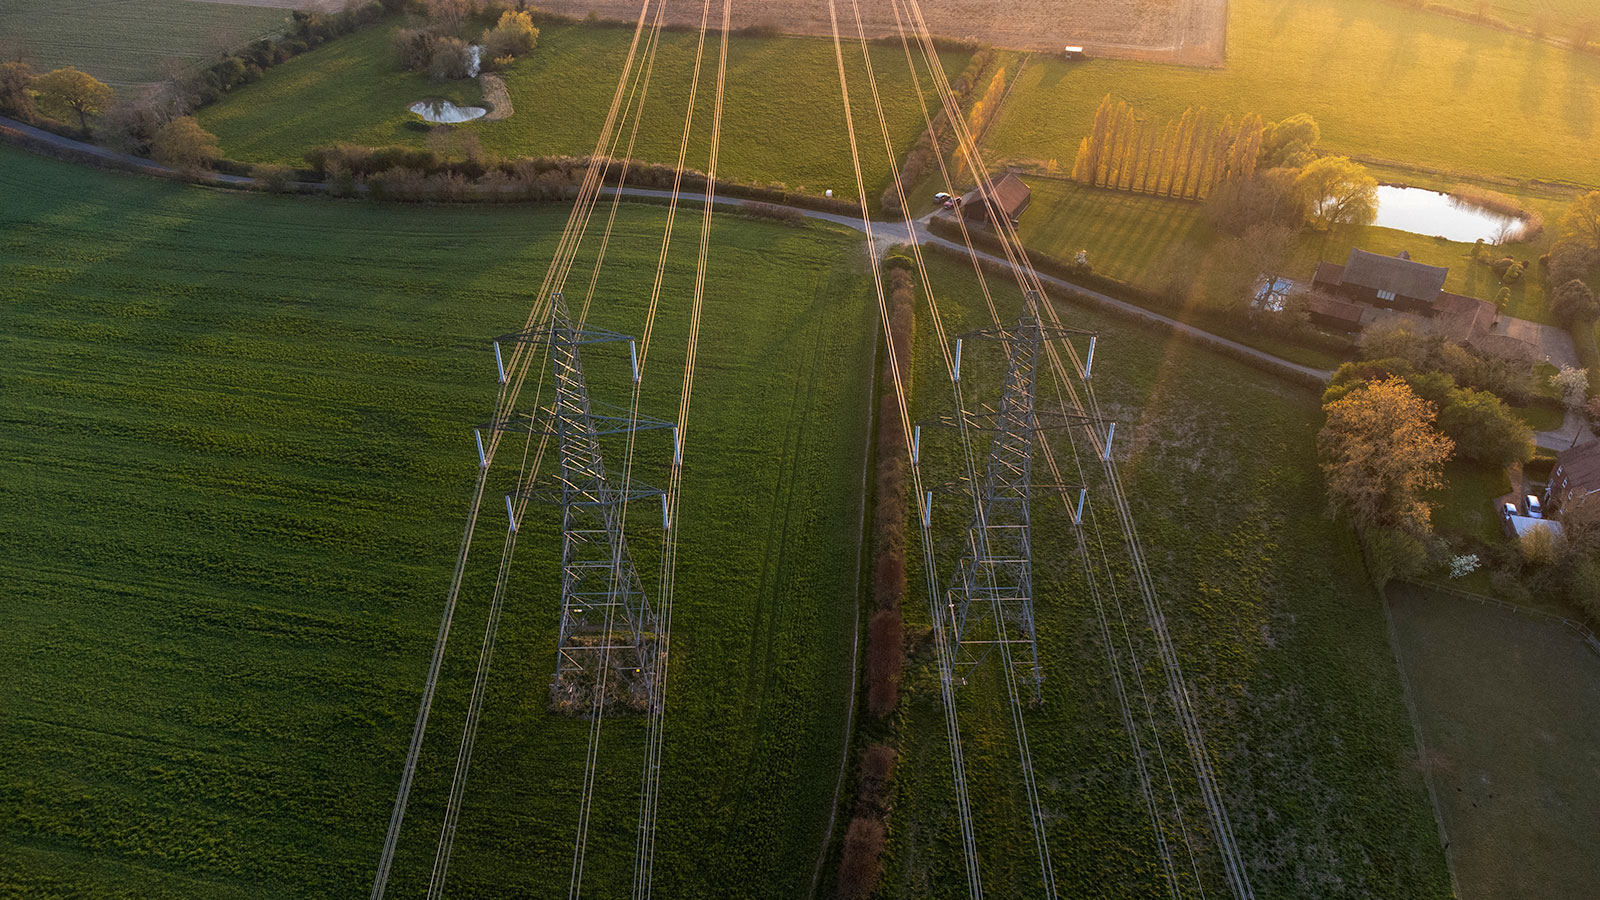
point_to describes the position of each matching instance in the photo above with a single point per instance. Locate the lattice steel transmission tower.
(990, 596)
(608, 637)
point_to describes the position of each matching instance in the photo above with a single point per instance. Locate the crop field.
(1508, 708)
(128, 41)
(1141, 239)
(1123, 25)
(239, 454)
(783, 117)
(1384, 81)
(1282, 639)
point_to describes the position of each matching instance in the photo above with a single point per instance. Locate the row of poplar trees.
(1186, 158)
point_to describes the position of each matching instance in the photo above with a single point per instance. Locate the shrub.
(414, 46)
(16, 90)
(885, 658)
(513, 36)
(272, 177)
(183, 145)
(860, 865)
(1573, 304)
(450, 59)
(1393, 553)
(1484, 429)
(1540, 546)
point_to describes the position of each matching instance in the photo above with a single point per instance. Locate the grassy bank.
(1281, 636)
(783, 117)
(239, 433)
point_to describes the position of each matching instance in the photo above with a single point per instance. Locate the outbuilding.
(1010, 198)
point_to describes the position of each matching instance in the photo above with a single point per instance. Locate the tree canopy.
(184, 145)
(78, 91)
(1337, 191)
(1290, 143)
(1381, 452)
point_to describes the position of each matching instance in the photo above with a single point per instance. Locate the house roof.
(1461, 318)
(1328, 273)
(1391, 273)
(1580, 466)
(1010, 196)
(1338, 310)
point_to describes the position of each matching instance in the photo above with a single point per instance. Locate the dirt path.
(496, 95)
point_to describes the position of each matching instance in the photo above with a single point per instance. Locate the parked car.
(1507, 511)
(941, 197)
(1535, 511)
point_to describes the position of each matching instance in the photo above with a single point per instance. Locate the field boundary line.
(1412, 715)
(1583, 631)
(868, 452)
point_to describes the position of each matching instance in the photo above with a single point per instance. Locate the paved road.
(134, 162)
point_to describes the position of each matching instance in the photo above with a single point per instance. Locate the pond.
(443, 112)
(1441, 215)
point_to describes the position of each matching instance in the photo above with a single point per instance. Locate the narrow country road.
(884, 234)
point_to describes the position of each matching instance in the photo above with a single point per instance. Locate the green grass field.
(1282, 639)
(1384, 81)
(1134, 238)
(1508, 708)
(239, 433)
(129, 41)
(1555, 18)
(783, 117)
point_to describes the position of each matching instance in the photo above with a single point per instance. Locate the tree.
(1265, 198)
(513, 36)
(1581, 224)
(1380, 452)
(1573, 384)
(1242, 262)
(1574, 304)
(183, 145)
(1485, 429)
(16, 90)
(1291, 143)
(1337, 191)
(78, 91)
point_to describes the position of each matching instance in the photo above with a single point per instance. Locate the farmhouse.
(1397, 283)
(1010, 198)
(1575, 477)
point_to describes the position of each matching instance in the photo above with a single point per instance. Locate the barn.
(1010, 199)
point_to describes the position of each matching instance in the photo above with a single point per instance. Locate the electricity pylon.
(990, 596)
(608, 640)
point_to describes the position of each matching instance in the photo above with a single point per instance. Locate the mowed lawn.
(1282, 640)
(126, 42)
(237, 433)
(783, 118)
(1384, 82)
(1510, 713)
